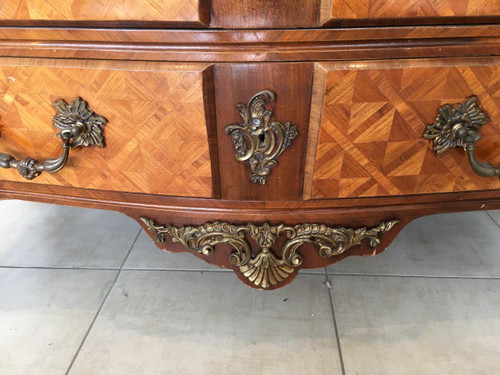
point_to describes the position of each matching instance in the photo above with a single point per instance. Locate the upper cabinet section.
(246, 14)
(111, 12)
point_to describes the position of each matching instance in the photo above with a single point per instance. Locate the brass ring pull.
(457, 126)
(79, 126)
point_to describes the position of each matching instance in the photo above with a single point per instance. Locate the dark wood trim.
(237, 83)
(243, 37)
(408, 21)
(260, 45)
(213, 208)
(211, 120)
(313, 51)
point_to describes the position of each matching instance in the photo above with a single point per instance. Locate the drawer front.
(96, 10)
(374, 115)
(156, 134)
(338, 11)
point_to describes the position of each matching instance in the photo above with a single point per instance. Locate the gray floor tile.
(146, 255)
(44, 316)
(495, 215)
(43, 235)
(459, 244)
(161, 322)
(415, 326)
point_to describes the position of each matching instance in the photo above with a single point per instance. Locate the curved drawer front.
(95, 10)
(374, 115)
(333, 11)
(156, 136)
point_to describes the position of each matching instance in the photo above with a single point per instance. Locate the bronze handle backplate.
(79, 127)
(457, 126)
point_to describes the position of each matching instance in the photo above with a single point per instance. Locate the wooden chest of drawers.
(261, 136)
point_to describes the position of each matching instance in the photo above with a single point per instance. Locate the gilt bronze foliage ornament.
(79, 127)
(80, 123)
(265, 269)
(457, 126)
(259, 140)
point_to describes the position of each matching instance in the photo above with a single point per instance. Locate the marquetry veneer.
(157, 137)
(373, 117)
(260, 136)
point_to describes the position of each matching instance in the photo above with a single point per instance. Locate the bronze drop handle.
(457, 126)
(482, 168)
(79, 126)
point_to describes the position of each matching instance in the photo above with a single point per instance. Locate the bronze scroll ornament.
(79, 127)
(265, 269)
(457, 126)
(258, 140)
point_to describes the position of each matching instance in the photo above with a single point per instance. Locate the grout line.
(335, 326)
(224, 270)
(102, 304)
(311, 272)
(70, 268)
(416, 276)
(491, 217)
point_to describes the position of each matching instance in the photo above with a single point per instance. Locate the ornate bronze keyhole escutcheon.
(259, 140)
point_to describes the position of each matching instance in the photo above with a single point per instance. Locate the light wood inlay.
(373, 118)
(391, 9)
(96, 10)
(156, 137)
(318, 91)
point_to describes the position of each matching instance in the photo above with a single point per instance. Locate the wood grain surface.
(393, 10)
(96, 10)
(156, 136)
(374, 115)
(264, 13)
(237, 83)
(255, 46)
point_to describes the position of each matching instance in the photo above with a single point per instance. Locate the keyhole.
(262, 139)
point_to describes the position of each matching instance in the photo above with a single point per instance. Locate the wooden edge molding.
(417, 205)
(318, 93)
(263, 267)
(243, 37)
(258, 46)
(211, 121)
(204, 12)
(325, 9)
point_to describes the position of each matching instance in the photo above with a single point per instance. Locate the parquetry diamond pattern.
(97, 10)
(370, 141)
(156, 138)
(352, 9)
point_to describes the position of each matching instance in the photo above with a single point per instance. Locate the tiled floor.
(85, 292)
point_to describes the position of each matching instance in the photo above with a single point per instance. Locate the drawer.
(156, 133)
(373, 117)
(389, 12)
(121, 11)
